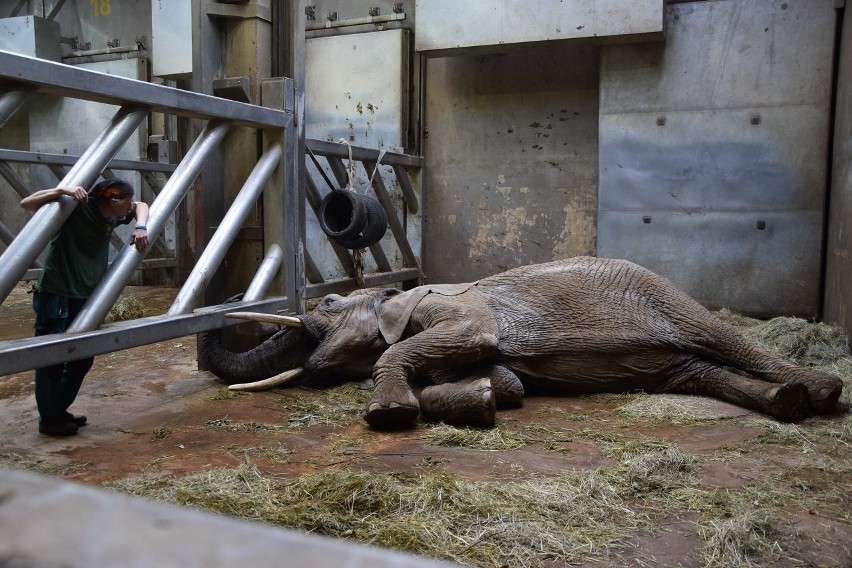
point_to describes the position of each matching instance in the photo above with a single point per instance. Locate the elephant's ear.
(395, 312)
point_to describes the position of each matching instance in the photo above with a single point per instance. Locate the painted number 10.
(100, 7)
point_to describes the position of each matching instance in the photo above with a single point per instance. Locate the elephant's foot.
(823, 391)
(460, 404)
(392, 408)
(788, 402)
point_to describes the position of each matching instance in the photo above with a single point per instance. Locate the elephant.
(567, 327)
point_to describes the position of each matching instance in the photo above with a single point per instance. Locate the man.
(77, 259)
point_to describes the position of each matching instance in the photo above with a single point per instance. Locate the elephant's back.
(593, 303)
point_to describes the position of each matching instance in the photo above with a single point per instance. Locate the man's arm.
(140, 233)
(39, 198)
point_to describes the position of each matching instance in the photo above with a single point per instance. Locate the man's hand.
(140, 239)
(76, 193)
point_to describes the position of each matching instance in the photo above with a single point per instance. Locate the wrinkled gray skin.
(581, 325)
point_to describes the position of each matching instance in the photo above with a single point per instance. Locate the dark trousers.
(57, 386)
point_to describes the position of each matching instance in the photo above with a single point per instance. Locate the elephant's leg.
(468, 403)
(507, 387)
(787, 402)
(453, 342)
(823, 389)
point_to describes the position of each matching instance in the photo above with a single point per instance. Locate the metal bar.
(14, 180)
(16, 9)
(60, 172)
(265, 274)
(407, 188)
(356, 22)
(55, 78)
(393, 220)
(294, 144)
(25, 354)
(209, 261)
(10, 103)
(312, 271)
(345, 285)
(66, 160)
(126, 262)
(44, 223)
(55, 10)
(359, 153)
(7, 236)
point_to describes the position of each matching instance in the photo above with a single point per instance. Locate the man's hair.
(115, 189)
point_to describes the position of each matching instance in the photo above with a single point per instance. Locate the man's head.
(113, 197)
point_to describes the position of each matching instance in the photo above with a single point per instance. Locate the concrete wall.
(511, 160)
(703, 157)
(714, 152)
(838, 290)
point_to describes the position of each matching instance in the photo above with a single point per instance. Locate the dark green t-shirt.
(78, 254)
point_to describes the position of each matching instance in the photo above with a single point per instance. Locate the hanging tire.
(374, 229)
(342, 214)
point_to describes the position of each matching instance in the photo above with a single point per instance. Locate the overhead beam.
(67, 80)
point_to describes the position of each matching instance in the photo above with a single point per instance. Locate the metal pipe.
(7, 236)
(47, 220)
(356, 22)
(103, 51)
(265, 274)
(214, 252)
(9, 105)
(128, 259)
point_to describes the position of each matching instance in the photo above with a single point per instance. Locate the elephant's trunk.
(287, 349)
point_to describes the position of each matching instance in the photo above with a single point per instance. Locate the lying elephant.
(581, 325)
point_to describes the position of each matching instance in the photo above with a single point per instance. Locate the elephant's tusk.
(288, 321)
(265, 384)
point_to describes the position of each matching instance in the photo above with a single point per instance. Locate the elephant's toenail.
(394, 405)
(374, 407)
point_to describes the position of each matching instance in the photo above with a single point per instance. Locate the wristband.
(143, 227)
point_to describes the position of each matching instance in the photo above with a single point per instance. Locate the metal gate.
(286, 266)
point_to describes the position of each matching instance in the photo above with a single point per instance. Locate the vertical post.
(295, 151)
(128, 259)
(32, 239)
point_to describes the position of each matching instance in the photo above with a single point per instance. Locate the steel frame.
(287, 270)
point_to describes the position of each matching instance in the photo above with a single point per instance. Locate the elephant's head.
(338, 341)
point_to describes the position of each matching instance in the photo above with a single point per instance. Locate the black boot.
(58, 428)
(78, 420)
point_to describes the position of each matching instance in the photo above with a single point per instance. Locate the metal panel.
(30, 36)
(356, 90)
(448, 27)
(171, 38)
(723, 128)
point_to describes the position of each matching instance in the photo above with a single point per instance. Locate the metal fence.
(286, 266)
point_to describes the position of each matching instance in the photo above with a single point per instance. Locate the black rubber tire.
(342, 214)
(374, 229)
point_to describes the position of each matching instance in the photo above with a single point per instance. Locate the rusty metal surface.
(722, 129)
